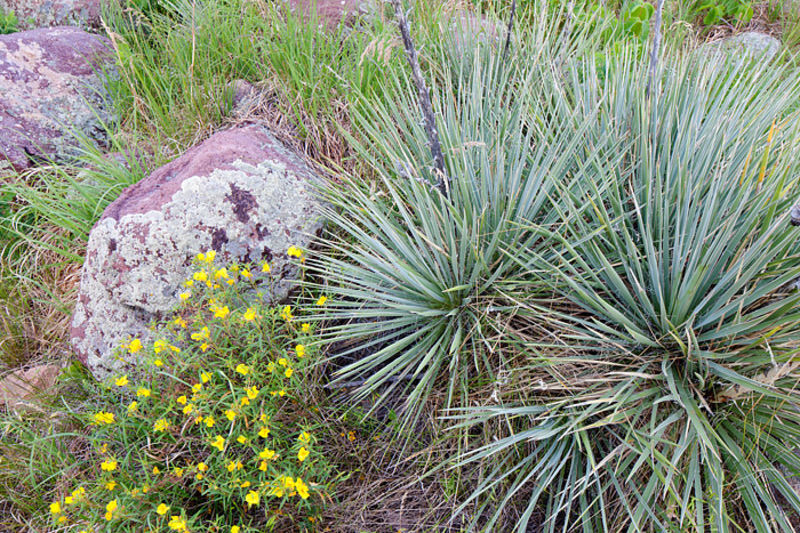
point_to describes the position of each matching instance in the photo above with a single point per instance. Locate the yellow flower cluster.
(250, 452)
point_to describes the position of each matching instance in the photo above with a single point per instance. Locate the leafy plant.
(8, 22)
(715, 11)
(669, 401)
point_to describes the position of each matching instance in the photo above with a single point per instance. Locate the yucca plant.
(416, 277)
(670, 402)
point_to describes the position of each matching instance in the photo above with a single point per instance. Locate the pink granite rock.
(43, 13)
(50, 86)
(240, 193)
(332, 13)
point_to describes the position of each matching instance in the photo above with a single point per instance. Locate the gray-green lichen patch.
(32, 14)
(250, 209)
(51, 92)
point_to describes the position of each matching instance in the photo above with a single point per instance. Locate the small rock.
(240, 193)
(750, 44)
(18, 387)
(50, 86)
(332, 13)
(33, 14)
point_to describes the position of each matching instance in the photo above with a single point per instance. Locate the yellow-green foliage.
(211, 435)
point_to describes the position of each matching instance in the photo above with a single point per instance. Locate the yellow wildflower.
(246, 273)
(242, 369)
(185, 295)
(176, 523)
(180, 322)
(294, 251)
(288, 482)
(282, 361)
(205, 377)
(252, 392)
(305, 327)
(209, 420)
(300, 350)
(245, 484)
(104, 418)
(188, 409)
(200, 335)
(235, 529)
(69, 500)
(244, 401)
(111, 485)
(322, 300)
(277, 491)
(230, 414)
(133, 405)
(121, 381)
(204, 347)
(181, 399)
(265, 268)
(218, 442)
(143, 392)
(286, 313)
(200, 276)
(302, 454)
(156, 470)
(109, 465)
(263, 466)
(250, 314)
(351, 436)
(202, 467)
(158, 362)
(55, 507)
(135, 346)
(302, 488)
(271, 367)
(263, 432)
(266, 454)
(305, 437)
(241, 439)
(288, 372)
(210, 256)
(178, 472)
(221, 273)
(162, 509)
(197, 387)
(160, 425)
(252, 498)
(221, 312)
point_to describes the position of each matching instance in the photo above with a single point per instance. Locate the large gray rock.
(41, 13)
(749, 44)
(50, 87)
(240, 193)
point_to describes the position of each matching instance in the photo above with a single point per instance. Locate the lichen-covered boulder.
(51, 87)
(42, 13)
(749, 44)
(240, 193)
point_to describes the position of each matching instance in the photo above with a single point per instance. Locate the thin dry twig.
(428, 118)
(510, 27)
(656, 45)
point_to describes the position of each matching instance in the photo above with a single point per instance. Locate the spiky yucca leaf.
(683, 402)
(415, 278)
